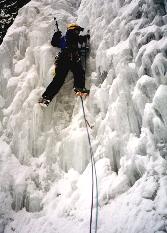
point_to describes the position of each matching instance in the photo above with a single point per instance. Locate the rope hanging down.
(94, 174)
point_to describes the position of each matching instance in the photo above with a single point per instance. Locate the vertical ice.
(48, 154)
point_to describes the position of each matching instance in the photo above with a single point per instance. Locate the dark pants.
(61, 70)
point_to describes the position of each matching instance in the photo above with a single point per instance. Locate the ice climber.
(69, 58)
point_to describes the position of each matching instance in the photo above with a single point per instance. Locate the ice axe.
(56, 23)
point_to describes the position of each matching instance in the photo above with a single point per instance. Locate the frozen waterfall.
(45, 171)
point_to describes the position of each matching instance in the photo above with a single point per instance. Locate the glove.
(55, 42)
(58, 34)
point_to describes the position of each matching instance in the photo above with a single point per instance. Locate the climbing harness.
(93, 166)
(94, 173)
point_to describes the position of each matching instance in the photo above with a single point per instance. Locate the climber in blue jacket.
(68, 59)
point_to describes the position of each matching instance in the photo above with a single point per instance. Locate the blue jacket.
(69, 41)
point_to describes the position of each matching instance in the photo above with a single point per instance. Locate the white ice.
(45, 169)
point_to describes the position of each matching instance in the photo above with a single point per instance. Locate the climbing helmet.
(74, 26)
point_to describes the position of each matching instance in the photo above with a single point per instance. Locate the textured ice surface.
(45, 183)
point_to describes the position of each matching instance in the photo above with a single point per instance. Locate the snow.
(45, 169)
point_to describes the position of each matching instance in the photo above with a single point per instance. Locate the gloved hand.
(55, 42)
(58, 34)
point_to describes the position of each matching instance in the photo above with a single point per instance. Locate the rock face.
(8, 11)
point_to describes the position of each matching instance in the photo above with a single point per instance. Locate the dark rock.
(8, 12)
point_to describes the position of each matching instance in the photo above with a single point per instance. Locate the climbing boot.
(81, 91)
(44, 102)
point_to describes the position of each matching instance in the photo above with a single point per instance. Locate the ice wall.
(49, 170)
(35, 136)
(128, 87)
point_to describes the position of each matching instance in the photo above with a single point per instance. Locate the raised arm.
(55, 42)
